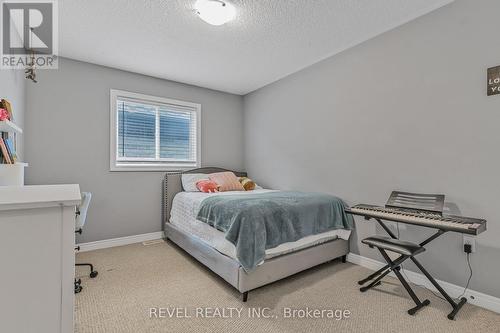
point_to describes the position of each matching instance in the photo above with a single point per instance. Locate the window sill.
(151, 167)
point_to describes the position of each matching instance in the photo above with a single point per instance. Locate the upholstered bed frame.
(229, 269)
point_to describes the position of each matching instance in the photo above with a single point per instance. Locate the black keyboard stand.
(386, 269)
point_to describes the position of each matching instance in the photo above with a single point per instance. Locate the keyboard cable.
(468, 280)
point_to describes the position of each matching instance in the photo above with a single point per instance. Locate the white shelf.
(36, 196)
(17, 164)
(12, 174)
(9, 126)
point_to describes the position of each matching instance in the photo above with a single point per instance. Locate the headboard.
(172, 185)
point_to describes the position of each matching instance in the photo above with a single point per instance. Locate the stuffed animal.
(207, 186)
(4, 114)
(247, 183)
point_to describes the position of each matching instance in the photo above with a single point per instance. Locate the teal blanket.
(256, 222)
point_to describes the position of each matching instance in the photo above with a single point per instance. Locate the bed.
(208, 245)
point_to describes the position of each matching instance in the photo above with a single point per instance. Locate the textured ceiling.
(268, 40)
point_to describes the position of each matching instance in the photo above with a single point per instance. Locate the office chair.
(81, 216)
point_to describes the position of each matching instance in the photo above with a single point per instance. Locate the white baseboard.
(103, 244)
(474, 297)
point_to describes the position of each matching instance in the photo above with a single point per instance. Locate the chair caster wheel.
(93, 274)
(78, 289)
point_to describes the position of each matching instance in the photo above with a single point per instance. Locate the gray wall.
(67, 141)
(13, 88)
(406, 110)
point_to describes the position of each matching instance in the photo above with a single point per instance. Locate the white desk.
(37, 239)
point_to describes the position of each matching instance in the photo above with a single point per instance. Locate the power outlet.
(471, 241)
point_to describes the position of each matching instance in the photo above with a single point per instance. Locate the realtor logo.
(29, 34)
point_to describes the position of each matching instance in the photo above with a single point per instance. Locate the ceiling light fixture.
(215, 12)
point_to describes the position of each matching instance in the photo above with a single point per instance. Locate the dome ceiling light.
(215, 12)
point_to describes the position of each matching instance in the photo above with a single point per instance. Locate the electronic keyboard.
(420, 209)
(466, 225)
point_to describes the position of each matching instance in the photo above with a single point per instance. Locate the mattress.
(185, 208)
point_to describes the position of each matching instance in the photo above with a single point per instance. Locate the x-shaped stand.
(378, 275)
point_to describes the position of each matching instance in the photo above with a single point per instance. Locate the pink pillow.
(207, 186)
(227, 181)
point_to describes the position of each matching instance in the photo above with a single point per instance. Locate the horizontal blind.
(177, 134)
(136, 130)
(149, 131)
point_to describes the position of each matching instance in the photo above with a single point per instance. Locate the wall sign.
(494, 81)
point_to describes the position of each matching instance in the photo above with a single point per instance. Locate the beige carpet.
(134, 278)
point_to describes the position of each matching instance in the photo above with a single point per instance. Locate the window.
(153, 133)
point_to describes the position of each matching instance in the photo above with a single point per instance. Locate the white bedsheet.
(185, 208)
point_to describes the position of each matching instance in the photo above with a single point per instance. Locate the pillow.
(207, 186)
(189, 181)
(247, 183)
(227, 181)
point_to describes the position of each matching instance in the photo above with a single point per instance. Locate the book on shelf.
(11, 150)
(5, 153)
(10, 135)
(7, 139)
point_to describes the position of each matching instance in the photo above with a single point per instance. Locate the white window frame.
(143, 164)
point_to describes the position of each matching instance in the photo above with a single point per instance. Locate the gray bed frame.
(228, 268)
